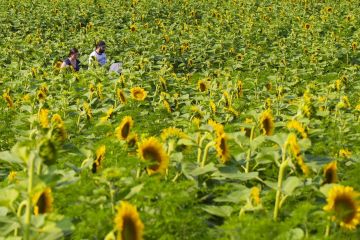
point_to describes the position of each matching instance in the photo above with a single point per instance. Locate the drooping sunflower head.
(167, 106)
(128, 223)
(343, 205)
(121, 95)
(239, 89)
(227, 99)
(296, 125)
(212, 106)
(296, 152)
(138, 93)
(43, 201)
(122, 132)
(217, 127)
(267, 123)
(330, 175)
(222, 148)
(8, 99)
(152, 151)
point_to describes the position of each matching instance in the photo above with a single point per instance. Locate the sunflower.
(330, 173)
(123, 131)
(167, 106)
(12, 176)
(345, 153)
(41, 96)
(172, 132)
(121, 95)
(343, 204)
(163, 83)
(202, 85)
(100, 156)
(128, 223)
(255, 196)
(227, 99)
(43, 117)
(8, 99)
(212, 106)
(307, 26)
(296, 151)
(239, 85)
(294, 124)
(43, 201)
(267, 123)
(133, 27)
(132, 139)
(218, 127)
(222, 148)
(152, 151)
(59, 129)
(138, 93)
(88, 110)
(99, 90)
(354, 45)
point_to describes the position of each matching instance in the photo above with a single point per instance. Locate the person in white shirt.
(98, 56)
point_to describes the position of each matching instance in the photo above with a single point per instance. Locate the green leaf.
(202, 170)
(256, 142)
(234, 197)
(8, 196)
(220, 211)
(290, 184)
(233, 173)
(133, 191)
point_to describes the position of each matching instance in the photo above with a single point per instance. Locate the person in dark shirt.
(72, 60)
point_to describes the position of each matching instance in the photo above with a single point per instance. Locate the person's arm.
(63, 65)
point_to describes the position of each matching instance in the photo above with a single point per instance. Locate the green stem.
(282, 168)
(28, 205)
(327, 230)
(20, 208)
(249, 151)
(200, 142)
(206, 150)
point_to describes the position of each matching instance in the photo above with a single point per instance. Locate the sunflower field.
(231, 120)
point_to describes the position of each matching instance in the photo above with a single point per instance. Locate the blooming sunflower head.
(122, 132)
(43, 201)
(222, 148)
(330, 175)
(138, 93)
(152, 151)
(218, 127)
(202, 85)
(255, 196)
(343, 205)
(128, 223)
(172, 132)
(267, 123)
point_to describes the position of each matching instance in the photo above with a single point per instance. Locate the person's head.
(100, 47)
(74, 53)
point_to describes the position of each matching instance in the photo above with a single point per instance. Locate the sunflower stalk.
(206, 150)
(200, 141)
(18, 213)
(28, 205)
(283, 165)
(249, 151)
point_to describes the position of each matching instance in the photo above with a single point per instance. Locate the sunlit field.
(230, 120)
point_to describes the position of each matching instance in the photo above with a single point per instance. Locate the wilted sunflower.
(330, 175)
(138, 93)
(267, 123)
(100, 155)
(121, 95)
(152, 151)
(43, 201)
(122, 132)
(222, 148)
(202, 85)
(43, 117)
(128, 223)
(343, 204)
